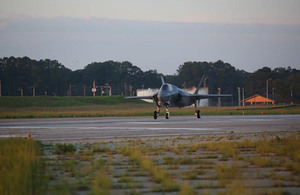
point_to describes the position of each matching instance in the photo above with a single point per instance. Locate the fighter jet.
(172, 96)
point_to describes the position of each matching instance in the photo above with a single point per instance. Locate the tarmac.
(93, 129)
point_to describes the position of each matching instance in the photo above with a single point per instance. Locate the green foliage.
(158, 174)
(282, 82)
(49, 77)
(46, 75)
(262, 161)
(185, 189)
(21, 167)
(228, 149)
(102, 183)
(285, 147)
(125, 167)
(64, 148)
(227, 173)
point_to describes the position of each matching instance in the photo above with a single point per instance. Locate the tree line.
(49, 77)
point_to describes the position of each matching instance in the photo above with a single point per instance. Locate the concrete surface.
(84, 129)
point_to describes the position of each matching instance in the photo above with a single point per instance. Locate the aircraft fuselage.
(171, 96)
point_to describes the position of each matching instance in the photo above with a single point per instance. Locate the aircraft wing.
(140, 97)
(204, 96)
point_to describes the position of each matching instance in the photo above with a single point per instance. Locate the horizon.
(176, 73)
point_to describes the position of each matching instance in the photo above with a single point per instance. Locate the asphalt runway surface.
(92, 129)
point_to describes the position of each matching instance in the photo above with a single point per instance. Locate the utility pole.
(106, 86)
(219, 99)
(84, 90)
(243, 97)
(267, 91)
(291, 95)
(204, 83)
(94, 89)
(21, 92)
(125, 88)
(70, 88)
(33, 91)
(130, 89)
(239, 95)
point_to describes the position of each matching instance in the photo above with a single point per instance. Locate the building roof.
(258, 99)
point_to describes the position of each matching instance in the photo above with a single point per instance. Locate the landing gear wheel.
(198, 114)
(155, 115)
(167, 115)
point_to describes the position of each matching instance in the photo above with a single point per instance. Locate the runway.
(82, 129)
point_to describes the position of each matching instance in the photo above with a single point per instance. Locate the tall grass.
(227, 148)
(168, 184)
(102, 183)
(284, 147)
(21, 167)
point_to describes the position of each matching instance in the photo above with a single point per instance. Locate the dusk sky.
(153, 34)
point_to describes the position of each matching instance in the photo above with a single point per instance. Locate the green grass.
(57, 107)
(167, 183)
(102, 183)
(59, 101)
(21, 167)
(64, 149)
(128, 166)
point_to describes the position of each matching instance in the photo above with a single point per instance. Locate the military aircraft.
(172, 96)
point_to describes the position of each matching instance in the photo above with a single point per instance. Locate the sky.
(153, 34)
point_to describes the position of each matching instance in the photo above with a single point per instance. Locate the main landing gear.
(197, 112)
(167, 113)
(156, 113)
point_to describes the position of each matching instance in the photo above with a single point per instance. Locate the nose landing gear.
(156, 112)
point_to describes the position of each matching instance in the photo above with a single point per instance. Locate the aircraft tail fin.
(162, 80)
(200, 83)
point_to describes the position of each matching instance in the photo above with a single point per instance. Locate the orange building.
(258, 99)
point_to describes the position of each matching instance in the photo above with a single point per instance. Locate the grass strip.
(21, 167)
(74, 106)
(159, 176)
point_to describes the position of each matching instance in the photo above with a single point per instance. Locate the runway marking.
(154, 135)
(114, 128)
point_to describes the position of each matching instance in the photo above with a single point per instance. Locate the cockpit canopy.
(166, 87)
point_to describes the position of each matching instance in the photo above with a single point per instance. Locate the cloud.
(3, 24)
(75, 42)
